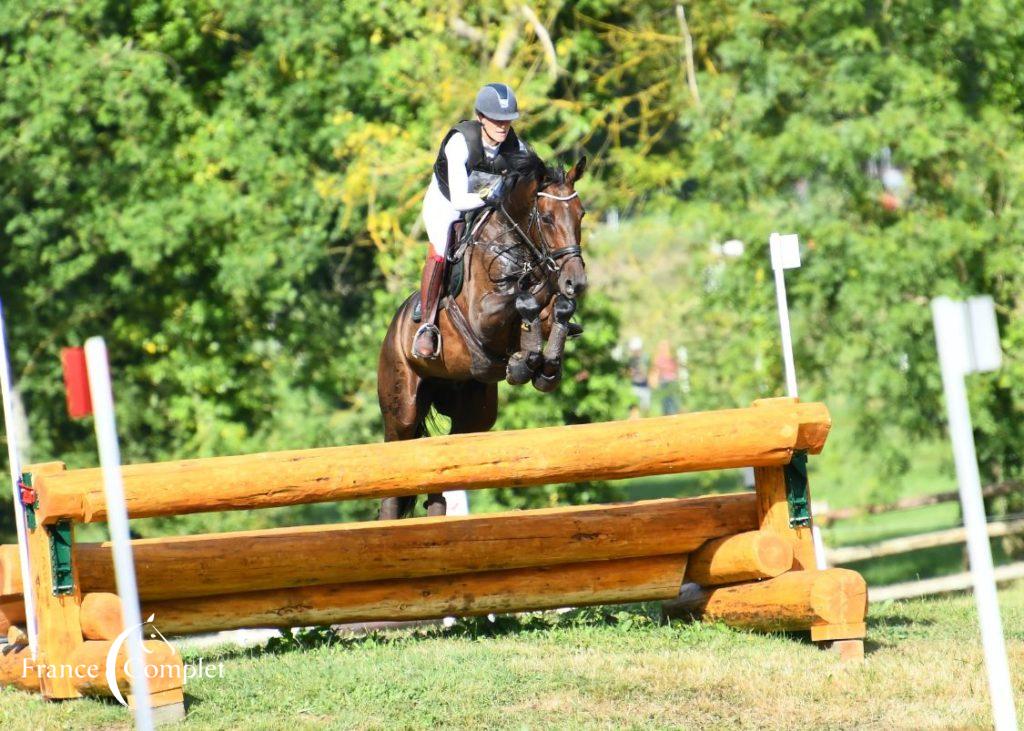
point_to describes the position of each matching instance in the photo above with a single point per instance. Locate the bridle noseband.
(546, 259)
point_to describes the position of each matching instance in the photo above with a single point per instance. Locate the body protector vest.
(471, 130)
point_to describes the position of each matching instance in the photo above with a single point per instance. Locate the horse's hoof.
(518, 370)
(547, 384)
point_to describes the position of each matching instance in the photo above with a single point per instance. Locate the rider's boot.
(427, 342)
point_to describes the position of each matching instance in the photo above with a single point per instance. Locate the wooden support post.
(773, 506)
(60, 628)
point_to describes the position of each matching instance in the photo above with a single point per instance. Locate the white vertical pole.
(785, 254)
(955, 359)
(787, 340)
(14, 460)
(117, 518)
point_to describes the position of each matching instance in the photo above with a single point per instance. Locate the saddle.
(459, 237)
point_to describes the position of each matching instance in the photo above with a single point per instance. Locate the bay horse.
(522, 272)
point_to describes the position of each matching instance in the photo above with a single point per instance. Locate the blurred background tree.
(229, 192)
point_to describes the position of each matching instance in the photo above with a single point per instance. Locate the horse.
(523, 271)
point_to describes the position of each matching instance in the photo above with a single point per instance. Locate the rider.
(480, 145)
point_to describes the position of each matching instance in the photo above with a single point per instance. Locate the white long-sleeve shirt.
(438, 211)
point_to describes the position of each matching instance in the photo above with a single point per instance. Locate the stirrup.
(427, 326)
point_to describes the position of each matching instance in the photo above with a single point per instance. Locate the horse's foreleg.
(525, 362)
(550, 374)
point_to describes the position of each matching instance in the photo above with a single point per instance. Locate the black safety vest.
(472, 131)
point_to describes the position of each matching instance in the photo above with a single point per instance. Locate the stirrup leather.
(427, 326)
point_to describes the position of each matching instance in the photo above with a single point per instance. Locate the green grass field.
(590, 669)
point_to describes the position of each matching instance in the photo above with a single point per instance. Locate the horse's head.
(559, 214)
(546, 203)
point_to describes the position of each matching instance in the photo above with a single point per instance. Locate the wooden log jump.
(279, 558)
(754, 437)
(748, 558)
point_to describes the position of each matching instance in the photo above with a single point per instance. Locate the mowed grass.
(592, 669)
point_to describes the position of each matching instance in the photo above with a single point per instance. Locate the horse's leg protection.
(524, 363)
(550, 374)
(393, 508)
(435, 504)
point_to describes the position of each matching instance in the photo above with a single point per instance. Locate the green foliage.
(230, 191)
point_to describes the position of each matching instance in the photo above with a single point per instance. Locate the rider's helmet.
(497, 101)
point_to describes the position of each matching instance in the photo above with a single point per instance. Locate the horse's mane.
(527, 167)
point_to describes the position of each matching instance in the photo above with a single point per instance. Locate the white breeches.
(438, 215)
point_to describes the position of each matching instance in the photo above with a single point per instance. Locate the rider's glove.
(494, 194)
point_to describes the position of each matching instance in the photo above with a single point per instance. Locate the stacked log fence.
(745, 559)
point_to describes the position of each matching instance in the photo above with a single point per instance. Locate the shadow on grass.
(625, 618)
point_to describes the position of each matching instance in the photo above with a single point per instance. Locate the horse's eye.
(547, 218)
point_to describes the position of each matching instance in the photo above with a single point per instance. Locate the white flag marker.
(968, 342)
(102, 397)
(785, 251)
(14, 460)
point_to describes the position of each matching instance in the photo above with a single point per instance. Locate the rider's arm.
(457, 153)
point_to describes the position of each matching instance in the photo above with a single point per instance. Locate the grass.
(590, 669)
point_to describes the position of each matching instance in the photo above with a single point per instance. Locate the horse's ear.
(577, 171)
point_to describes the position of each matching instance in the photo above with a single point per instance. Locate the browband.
(559, 197)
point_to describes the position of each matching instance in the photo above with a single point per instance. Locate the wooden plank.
(13, 663)
(165, 670)
(773, 514)
(796, 600)
(903, 544)
(517, 590)
(740, 557)
(942, 584)
(766, 435)
(772, 505)
(59, 625)
(225, 563)
(12, 612)
(917, 501)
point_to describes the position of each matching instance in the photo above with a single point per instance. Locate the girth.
(485, 365)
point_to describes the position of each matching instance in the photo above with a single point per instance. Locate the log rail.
(745, 559)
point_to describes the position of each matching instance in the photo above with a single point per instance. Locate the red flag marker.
(76, 382)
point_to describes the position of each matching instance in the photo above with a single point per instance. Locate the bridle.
(544, 258)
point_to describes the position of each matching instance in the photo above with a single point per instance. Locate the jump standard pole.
(967, 337)
(785, 254)
(14, 461)
(92, 365)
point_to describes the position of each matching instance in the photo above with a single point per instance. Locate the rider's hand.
(493, 194)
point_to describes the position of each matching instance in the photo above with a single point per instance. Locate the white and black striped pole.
(14, 460)
(968, 342)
